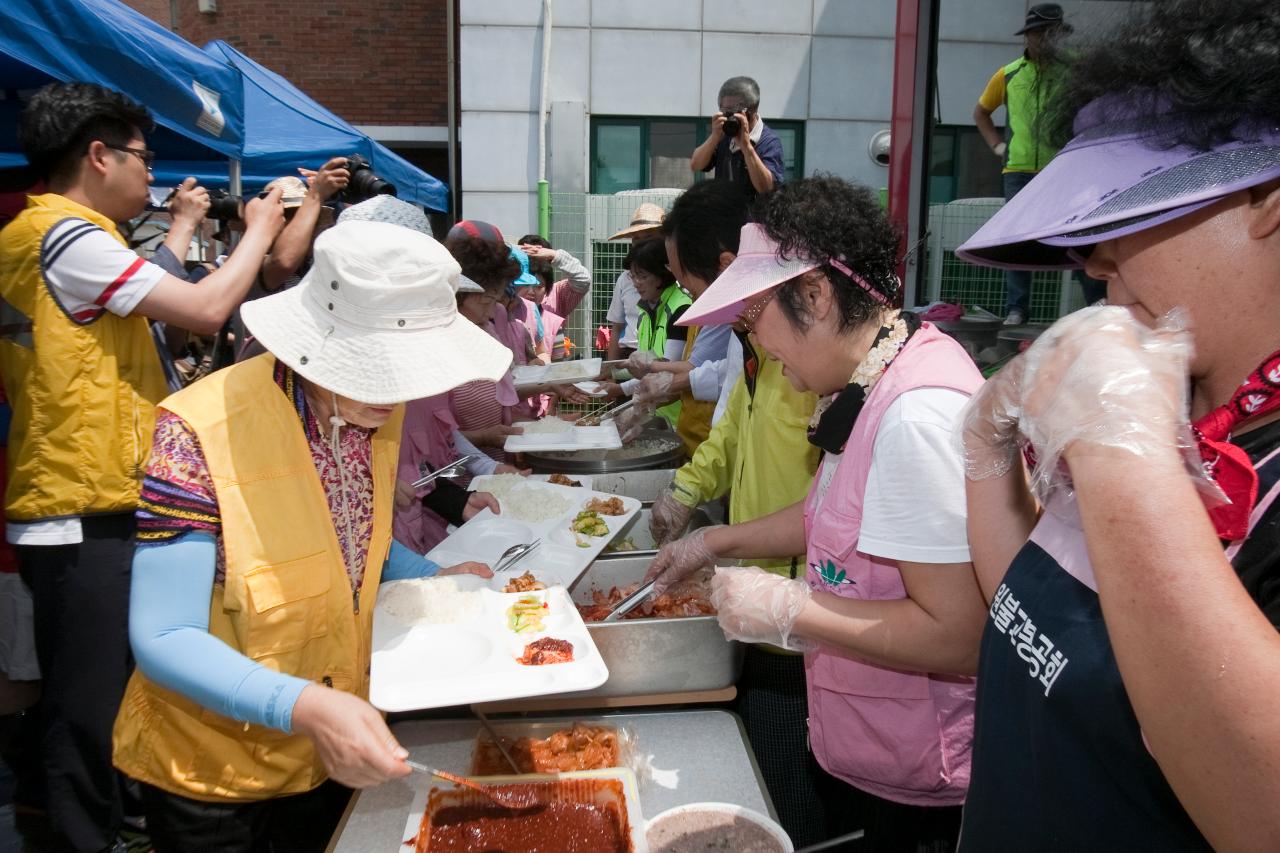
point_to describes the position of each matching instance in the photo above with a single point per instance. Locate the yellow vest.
(287, 602)
(83, 396)
(693, 424)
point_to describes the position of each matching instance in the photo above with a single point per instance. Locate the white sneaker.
(1015, 318)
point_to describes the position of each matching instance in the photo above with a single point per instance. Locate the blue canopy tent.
(193, 96)
(284, 129)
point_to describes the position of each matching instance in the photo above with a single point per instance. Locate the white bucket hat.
(375, 319)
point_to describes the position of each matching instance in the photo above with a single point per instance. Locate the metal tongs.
(448, 472)
(631, 602)
(513, 555)
(608, 413)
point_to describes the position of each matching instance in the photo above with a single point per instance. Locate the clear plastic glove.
(677, 560)
(655, 388)
(756, 606)
(640, 362)
(1100, 378)
(989, 424)
(632, 420)
(669, 517)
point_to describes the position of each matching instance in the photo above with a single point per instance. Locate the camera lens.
(224, 206)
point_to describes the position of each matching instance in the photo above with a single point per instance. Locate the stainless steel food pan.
(647, 656)
(644, 486)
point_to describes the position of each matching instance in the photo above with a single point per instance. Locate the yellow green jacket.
(759, 452)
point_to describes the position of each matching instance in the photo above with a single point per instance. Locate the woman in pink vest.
(888, 611)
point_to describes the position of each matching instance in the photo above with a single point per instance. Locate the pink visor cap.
(759, 266)
(1116, 178)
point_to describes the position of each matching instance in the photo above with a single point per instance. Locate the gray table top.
(694, 756)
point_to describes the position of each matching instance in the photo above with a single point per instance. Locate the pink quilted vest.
(902, 736)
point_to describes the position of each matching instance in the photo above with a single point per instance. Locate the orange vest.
(287, 602)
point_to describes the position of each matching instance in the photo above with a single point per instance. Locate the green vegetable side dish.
(526, 614)
(590, 523)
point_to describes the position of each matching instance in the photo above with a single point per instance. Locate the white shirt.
(88, 273)
(730, 373)
(624, 308)
(913, 508)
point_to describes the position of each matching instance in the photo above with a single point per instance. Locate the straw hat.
(292, 190)
(376, 320)
(648, 217)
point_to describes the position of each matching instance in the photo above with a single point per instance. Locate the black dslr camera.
(732, 127)
(364, 184)
(224, 206)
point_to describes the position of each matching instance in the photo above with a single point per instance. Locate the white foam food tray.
(528, 375)
(560, 558)
(603, 437)
(419, 665)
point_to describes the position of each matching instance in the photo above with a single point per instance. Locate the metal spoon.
(832, 842)
(497, 741)
(449, 472)
(506, 799)
(513, 555)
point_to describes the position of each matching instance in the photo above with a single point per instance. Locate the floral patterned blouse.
(178, 496)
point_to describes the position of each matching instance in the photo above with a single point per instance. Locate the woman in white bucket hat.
(267, 516)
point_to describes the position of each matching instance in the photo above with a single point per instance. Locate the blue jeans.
(1017, 283)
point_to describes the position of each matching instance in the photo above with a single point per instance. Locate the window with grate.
(633, 153)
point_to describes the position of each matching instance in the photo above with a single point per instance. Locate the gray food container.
(638, 532)
(647, 656)
(644, 486)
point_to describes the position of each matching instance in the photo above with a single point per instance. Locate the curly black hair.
(1214, 64)
(62, 119)
(535, 240)
(487, 263)
(544, 270)
(706, 220)
(825, 218)
(650, 256)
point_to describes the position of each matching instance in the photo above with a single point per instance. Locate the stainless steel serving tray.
(644, 486)
(624, 458)
(648, 656)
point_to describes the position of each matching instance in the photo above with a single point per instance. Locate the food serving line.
(671, 756)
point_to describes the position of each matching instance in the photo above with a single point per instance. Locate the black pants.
(301, 823)
(81, 603)
(774, 707)
(890, 827)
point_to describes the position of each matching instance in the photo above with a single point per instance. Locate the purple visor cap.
(1107, 183)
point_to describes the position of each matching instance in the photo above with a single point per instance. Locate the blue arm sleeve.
(172, 587)
(404, 564)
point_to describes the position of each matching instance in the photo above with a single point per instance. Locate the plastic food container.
(614, 789)
(695, 826)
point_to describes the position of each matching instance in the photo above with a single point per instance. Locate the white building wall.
(828, 63)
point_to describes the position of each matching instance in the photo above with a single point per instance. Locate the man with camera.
(741, 148)
(83, 376)
(307, 217)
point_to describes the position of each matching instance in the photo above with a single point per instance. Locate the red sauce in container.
(551, 828)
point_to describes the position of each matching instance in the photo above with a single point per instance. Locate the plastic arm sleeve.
(480, 464)
(405, 564)
(169, 600)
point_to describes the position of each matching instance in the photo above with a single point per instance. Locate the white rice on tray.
(436, 600)
(530, 503)
(546, 426)
(522, 500)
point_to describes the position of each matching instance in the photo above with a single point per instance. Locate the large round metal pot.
(655, 448)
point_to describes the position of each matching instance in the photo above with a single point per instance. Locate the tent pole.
(451, 63)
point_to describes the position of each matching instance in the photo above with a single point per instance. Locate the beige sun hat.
(648, 217)
(376, 320)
